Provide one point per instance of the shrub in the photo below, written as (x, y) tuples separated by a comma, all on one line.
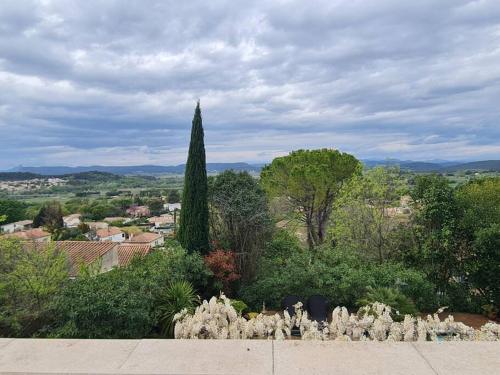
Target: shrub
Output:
[(282, 245), (127, 302), (341, 277), (239, 306), (178, 295), (299, 274), (411, 282), (223, 265), (400, 304), (30, 278), (110, 305)]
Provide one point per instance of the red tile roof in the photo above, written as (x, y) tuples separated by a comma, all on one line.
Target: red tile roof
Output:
[(30, 234), (107, 232), (162, 219), (145, 237), (127, 251), (84, 252)]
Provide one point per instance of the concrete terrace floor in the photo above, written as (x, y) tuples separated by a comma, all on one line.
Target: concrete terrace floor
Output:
[(45, 356)]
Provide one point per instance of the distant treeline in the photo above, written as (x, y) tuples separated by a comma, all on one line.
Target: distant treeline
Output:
[(421, 166), (92, 176)]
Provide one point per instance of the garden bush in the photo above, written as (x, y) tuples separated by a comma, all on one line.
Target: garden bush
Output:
[(341, 277), (127, 302), (109, 305), (400, 304), (30, 279), (178, 295)]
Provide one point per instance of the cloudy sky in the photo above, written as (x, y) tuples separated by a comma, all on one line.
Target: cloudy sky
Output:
[(115, 82)]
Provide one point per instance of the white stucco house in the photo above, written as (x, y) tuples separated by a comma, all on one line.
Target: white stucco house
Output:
[(72, 221), (111, 234), (172, 206), (16, 226)]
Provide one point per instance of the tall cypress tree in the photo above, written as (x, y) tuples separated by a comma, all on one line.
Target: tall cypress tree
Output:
[(193, 229)]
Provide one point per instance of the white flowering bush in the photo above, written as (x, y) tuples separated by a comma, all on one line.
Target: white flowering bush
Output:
[(217, 319)]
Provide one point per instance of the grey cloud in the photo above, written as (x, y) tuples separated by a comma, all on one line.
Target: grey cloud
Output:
[(381, 79)]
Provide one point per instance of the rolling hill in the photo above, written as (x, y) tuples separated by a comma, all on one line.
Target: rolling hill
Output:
[(133, 170), (22, 172)]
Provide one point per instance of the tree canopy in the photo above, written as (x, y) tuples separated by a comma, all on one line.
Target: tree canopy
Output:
[(12, 210), (362, 222), (311, 180), (193, 229), (50, 216), (239, 218), (30, 278)]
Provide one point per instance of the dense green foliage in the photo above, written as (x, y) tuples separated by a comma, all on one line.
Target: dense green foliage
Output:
[(361, 222), (173, 196), (126, 302), (50, 217), (311, 180), (193, 229), (155, 206), (30, 278), (342, 277), (178, 295), (480, 204), (400, 303), (239, 217), (13, 210)]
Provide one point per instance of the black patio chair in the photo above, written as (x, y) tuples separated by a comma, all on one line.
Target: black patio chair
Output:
[(288, 305), (317, 307)]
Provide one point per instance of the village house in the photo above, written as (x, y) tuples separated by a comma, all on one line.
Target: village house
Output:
[(110, 234), (95, 225), (104, 256), (128, 250), (16, 226), (152, 239), (72, 221), (138, 211), (172, 206), (35, 234), (113, 219), (161, 221), (101, 255)]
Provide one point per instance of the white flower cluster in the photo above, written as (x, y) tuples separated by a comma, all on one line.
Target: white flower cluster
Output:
[(217, 319)]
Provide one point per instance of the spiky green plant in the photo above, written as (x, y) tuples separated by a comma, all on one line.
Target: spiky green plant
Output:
[(178, 295), (400, 303)]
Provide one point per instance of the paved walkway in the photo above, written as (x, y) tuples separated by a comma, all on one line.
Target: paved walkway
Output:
[(41, 356)]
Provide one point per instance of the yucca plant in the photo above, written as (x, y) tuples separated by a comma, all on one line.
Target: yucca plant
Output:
[(400, 303), (177, 296)]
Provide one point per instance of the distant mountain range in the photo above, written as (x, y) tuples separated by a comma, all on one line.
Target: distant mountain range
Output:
[(437, 166), (134, 169), (417, 166)]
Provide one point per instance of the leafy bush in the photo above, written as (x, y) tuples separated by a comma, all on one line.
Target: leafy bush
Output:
[(223, 264), (341, 277), (13, 210), (400, 304), (239, 306), (179, 295), (110, 305), (411, 282), (299, 274), (127, 302), (282, 245), (29, 281)]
